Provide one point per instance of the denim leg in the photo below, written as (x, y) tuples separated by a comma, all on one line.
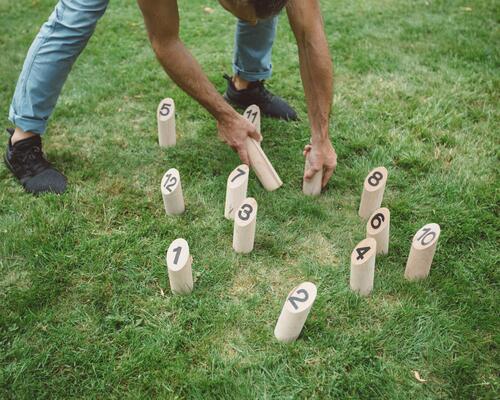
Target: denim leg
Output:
[(50, 58), (252, 49)]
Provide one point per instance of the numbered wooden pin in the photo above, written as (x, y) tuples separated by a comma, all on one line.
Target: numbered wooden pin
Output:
[(236, 190), (377, 227), (422, 252), (180, 274), (244, 226), (363, 266), (262, 166), (373, 192), (312, 187), (166, 123), (171, 191), (252, 113), (294, 312)]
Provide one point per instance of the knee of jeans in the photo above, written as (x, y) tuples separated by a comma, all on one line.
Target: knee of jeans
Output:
[(79, 16)]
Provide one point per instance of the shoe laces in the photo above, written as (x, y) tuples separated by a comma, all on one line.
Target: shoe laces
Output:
[(259, 85), (32, 158)]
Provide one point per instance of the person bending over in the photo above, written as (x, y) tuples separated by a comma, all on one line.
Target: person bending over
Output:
[(67, 31)]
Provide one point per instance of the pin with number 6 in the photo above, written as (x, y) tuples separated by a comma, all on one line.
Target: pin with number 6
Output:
[(180, 274)]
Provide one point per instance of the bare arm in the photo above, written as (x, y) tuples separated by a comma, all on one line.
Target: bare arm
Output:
[(162, 23), (316, 71)]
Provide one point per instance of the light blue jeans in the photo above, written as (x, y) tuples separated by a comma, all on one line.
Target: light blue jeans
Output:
[(66, 33)]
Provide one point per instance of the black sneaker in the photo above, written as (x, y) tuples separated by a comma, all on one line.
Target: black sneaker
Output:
[(26, 161), (256, 93)]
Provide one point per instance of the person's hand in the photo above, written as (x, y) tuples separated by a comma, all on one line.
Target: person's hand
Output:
[(234, 131), (322, 157)]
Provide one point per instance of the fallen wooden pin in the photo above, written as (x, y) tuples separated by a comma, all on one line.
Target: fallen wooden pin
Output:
[(261, 165)]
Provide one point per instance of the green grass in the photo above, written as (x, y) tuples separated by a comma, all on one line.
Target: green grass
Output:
[(85, 309)]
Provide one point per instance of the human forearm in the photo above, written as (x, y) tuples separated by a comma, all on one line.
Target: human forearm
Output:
[(316, 70), (316, 67), (162, 24), (185, 71)]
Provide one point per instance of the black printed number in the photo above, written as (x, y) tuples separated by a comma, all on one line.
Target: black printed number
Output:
[(177, 252), (240, 173), (251, 114), (374, 179), (245, 212), (170, 182), (295, 299), (165, 109), (426, 233), (377, 220), (361, 252)]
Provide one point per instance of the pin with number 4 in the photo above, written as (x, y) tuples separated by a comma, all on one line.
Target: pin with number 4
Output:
[(422, 252), (363, 266), (171, 191), (180, 274), (166, 123), (244, 226), (294, 312)]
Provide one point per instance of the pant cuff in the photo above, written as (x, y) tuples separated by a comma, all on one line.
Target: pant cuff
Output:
[(27, 124), (252, 76)]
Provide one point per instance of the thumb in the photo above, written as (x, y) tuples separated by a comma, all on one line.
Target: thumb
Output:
[(255, 135), (309, 174)]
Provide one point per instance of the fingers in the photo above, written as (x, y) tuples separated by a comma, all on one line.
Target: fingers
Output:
[(307, 150), (243, 154), (255, 135), (309, 174), (327, 174)]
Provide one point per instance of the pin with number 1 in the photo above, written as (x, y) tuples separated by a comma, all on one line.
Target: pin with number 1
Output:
[(180, 274)]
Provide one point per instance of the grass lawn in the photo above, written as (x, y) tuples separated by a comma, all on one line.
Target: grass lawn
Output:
[(85, 306)]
